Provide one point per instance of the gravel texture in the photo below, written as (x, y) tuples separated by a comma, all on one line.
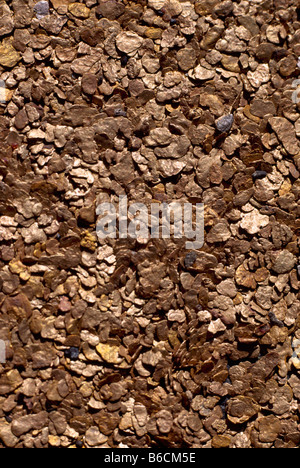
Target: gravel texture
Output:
[(134, 342)]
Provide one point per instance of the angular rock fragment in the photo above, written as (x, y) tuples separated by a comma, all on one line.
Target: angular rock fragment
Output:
[(286, 134), (9, 56), (253, 222), (190, 259), (241, 409), (109, 353), (128, 42), (21, 119), (10, 381), (225, 123), (216, 326), (6, 20), (284, 262), (110, 9), (200, 73), (25, 424), (258, 175), (219, 233), (6, 435), (79, 10), (89, 83), (260, 76), (41, 9)]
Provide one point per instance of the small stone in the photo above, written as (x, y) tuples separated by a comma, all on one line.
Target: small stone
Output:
[(6, 435), (263, 297), (124, 60), (36, 134), (274, 320), (260, 76), (216, 326), (54, 23), (60, 5), (284, 262), (87, 214), (173, 8), (18, 306), (89, 83), (201, 73), (109, 353), (261, 275), (153, 33), (159, 137), (176, 316), (265, 51), (59, 421), (260, 108), (72, 353), (79, 10), (241, 409), (156, 4), (6, 20), (44, 355), (227, 288), (41, 9), (245, 278), (89, 242), (65, 305), (120, 113), (93, 437), (65, 54), (10, 381), (269, 428), (164, 421), (286, 133), (33, 234), (285, 188), (205, 7), (110, 9), (24, 424), (176, 150), (28, 387), (169, 168), (211, 37), (54, 440), (9, 57), (221, 441), (204, 262), (151, 358), (128, 42), (219, 233), (295, 361), (224, 8), (253, 222), (225, 123), (231, 63), (21, 119), (126, 422), (190, 259), (140, 418), (258, 175), (186, 60)]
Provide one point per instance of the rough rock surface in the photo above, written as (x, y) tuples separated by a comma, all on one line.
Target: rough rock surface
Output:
[(139, 342)]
